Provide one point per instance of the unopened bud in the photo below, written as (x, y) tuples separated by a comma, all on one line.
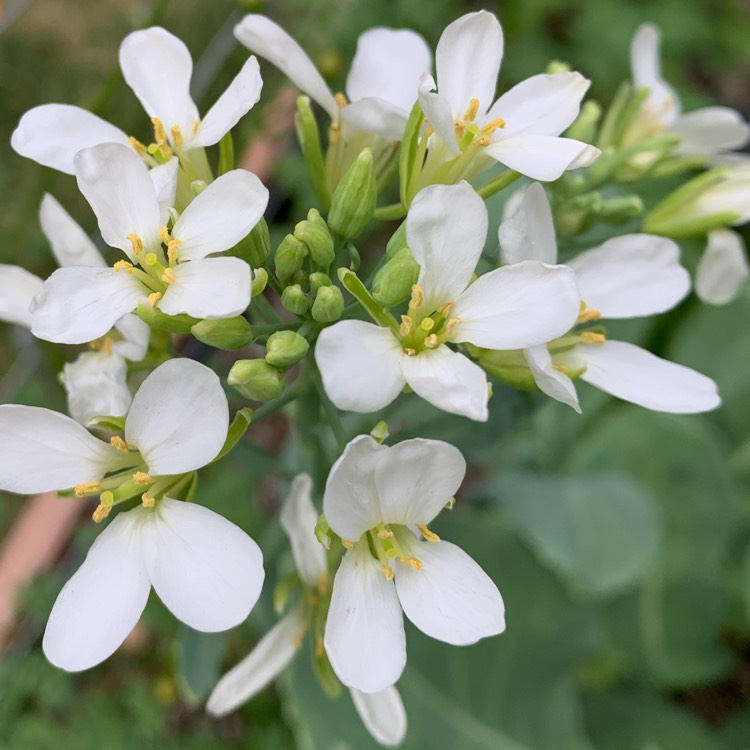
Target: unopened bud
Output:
[(197, 187), (256, 379), (256, 247), (328, 304), (285, 348), (313, 232), (318, 280), (309, 140), (509, 366), (393, 282), (576, 215), (557, 66), (353, 202), (224, 333), (585, 125), (260, 279), (294, 300), (621, 209), (289, 257)]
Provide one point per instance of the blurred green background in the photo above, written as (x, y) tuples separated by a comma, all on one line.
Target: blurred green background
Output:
[(620, 539)]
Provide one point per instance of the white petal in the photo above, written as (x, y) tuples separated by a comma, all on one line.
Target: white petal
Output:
[(164, 179), (662, 103), (207, 571), (208, 288), (179, 417), (438, 112), (71, 246), (551, 381), (541, 157), (387, 65), (364, 636), (517, 306), (99, 606), (541, 105), (44, 451), (240, 97), (96, 384), (467, 60), (633, 374), (53, 134), (267, 660), (116, 184), (632, 275), (451, 598), (221, 215), (383, 715), (265, 38), (416, 479), (18, 288), (528, 231), (360, 364), (136, 335), (722, 269), (376, 116), (445, 229), (350, 501), (449, 381), (710, 131), (298, 518), (79, 304), (157, 66)]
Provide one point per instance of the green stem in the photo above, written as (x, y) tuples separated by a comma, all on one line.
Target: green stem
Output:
[(269, 408), (331, 413), (266, 309), (390, 213), (497, 184)]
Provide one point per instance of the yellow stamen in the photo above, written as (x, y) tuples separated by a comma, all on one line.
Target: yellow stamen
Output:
[(334, 134), (177, 138), (460, 129), (561, 368), (446, 309), (323, 582), (172, 251), (492, 126), (431, 342), (450, 327), (138, 147), (87, 488), (168, 276), (349, 545), (482, 141), (107, 345), (430, 536), (196, 125), (117, 442), (136, 242), (590, 337), (160, 134), (429, 130), (588, 315), (387, 572), (147, 500), (471, 112), (409, 352), (340, 100), (409, 560), (427, 324), (122, 265), (164, 235), (140, 477), (406, 324), (154, 298), (417, 297), (101, 512), (385, 534)]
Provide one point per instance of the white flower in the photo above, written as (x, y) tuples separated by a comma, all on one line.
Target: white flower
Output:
[(626, 277), (79, 304), (522, 128), (206, 570), (704, 132), (382, 81), (157, 66), (722, 269), (382, 713), (376, 498), (364, 367), (17, 288)]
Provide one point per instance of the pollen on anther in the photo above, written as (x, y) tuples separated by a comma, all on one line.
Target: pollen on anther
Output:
[(160, 134), (122, 265), (101, 512), (117, 442), (591, 337), (136, 242), (349, 545), (164, 235), (147, 500), (141, 477), (493, 125), (138, 147), (168, 276), (588, 315), (387, 571), (154, 298), (177, 135), (411, 561), (86, 488), (472, 110), (406, 324), (340, 100), (430, 536), (431, 341), (417, 297), (385, 534)]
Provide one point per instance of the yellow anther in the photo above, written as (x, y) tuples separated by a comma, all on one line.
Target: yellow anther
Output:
[(493, 125), (482, 141), (590, 337), (409, 352), (177, 138), (136, 242), (431, 342), (406, 324), (168, 276), (160, 134), (340, 100), (472, 110), (196, 125), (430, 536), (122, 265), (450, 327), (164, 235), (323, 582), (87, 488), (151, 259), (588, 315), (385, 534), (429, 130), (117, 442), (140, 477), (460, 129), (417, 297), (172, 251), (154, 298), (101, 512), (107, 345), (334, 134), (561, 368), (349, 545), (446, 309), (147, 500), (409, 560), (138, 147), (427, 324), (387, 572)]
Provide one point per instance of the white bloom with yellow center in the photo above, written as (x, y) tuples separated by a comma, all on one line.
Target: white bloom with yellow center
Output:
[(206, 570), (364, 367)]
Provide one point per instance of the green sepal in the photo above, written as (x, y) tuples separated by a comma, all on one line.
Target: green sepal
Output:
[(380, 431), (256, 247), (163, 322), (228, 334), (357, 289), (308, 136), (226, 154), (409, 146), (237, 429), (323, 531), (107, 423)]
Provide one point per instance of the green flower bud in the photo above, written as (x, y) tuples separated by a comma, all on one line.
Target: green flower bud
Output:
[(289, 257), (224, 333), (328, 304), (393, 282), (621, 209), (309, 140), (576, 215), (256, 379), (285, 348), (318, 280), (584, 126), (509, 366), (557, 66), (163, 322), (313, 231), (260, 279), (257, 245), (353, 202), (294, 300)]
